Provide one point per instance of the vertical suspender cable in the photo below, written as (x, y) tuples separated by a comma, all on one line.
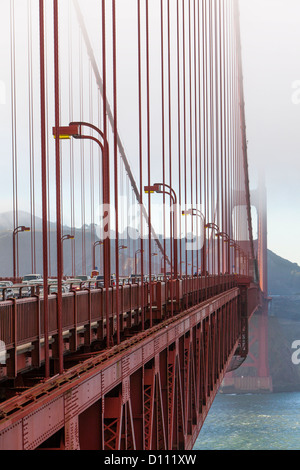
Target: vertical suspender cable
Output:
[(205, 119), (226, 150), (14, 135), (184, 138), (141, 157), (196, 141), (31, 139), (200, 120), (58, 189), (44, 185), (190, 124), (148, 155), (47, 142), (212, 147), (100, 195), (116, 164), (163, 131), (106, 180), (219, 124), (200, 140), (92, 199), (174, 209), (179, 135), (82, 163), (72, 185), (221, 22)]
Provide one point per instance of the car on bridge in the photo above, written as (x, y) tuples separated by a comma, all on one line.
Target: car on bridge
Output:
[(6, 291), (31, 279), (83, 278), (99, 281), (53, 289), (7, 283)]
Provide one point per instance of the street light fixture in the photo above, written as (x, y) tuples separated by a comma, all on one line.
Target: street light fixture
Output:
[(197, 213), (232, 244), (237, 248), (163, 188), (67, 237), (154, 254), (163, 261), (226, 239), (17, 230), (122, 247), (63, 238), (97, 243), (213, 226), (135, 259), (75, 130)]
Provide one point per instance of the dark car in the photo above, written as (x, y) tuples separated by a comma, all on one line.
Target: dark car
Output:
[(100, 280)]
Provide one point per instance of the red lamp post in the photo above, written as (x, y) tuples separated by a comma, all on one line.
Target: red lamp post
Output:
[(17, 230), (213, 226), (75, 130), (162, 188), (225, 238), (135, 259), (197, 213), (63, 238), (97, 243)]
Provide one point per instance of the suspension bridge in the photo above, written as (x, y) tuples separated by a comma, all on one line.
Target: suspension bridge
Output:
[(125, 185)]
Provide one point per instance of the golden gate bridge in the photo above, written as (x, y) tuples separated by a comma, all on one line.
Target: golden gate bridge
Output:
[(124, 130)]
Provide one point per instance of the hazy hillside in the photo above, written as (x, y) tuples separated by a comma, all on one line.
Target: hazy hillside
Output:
[(283, 276), (24, 218)]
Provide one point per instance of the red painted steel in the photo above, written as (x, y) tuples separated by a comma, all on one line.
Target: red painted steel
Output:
[(59, 352), (84, 314), (139, 363), (188, 351), (44, 183), (257, 360)]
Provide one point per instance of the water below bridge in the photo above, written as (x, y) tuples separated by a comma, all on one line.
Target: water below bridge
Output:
[(252, 422)]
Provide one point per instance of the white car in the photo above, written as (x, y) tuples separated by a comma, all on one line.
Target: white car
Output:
[(6, 283), (31, 279)]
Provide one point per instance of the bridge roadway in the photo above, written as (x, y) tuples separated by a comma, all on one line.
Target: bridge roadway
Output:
[(151, 391)]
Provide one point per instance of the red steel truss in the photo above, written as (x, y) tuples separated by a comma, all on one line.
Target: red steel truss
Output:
[(130, 93), (152, 392)]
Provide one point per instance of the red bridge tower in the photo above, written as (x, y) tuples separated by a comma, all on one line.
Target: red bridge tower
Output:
[(254, 375)]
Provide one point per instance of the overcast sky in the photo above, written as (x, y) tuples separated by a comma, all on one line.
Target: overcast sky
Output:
[(271, 65)]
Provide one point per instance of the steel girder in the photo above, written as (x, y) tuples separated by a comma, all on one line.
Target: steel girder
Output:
[(154, 395)]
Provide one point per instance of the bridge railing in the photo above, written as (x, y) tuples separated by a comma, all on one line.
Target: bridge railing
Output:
[(84, 312)]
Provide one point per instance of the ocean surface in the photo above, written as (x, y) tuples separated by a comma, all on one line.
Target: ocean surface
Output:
[(252, 422)]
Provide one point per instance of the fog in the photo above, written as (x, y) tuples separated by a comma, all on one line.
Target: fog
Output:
[(271, 66)]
